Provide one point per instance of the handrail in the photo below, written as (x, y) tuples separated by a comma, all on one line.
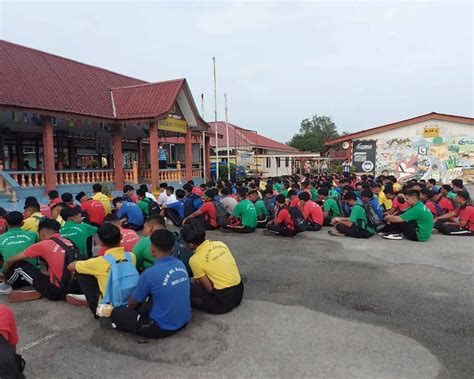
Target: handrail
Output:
[(10, 181)]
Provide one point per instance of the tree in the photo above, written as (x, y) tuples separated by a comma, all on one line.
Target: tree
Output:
[(314, 133)]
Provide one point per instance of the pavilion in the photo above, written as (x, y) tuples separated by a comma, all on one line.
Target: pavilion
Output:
[(66, 124)]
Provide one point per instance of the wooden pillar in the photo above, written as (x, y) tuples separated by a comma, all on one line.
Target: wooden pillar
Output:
[(118, 160), (154, 164), (48, 152), (188, 154), (207, 147), (19, 153)]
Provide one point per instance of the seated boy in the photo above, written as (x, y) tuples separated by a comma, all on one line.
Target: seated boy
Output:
[(465, 224), (175, 211), (76, 231), (32, 217), (282, 224), (94, 209), (207, 213), (312, 212), (11, 364), (129, 237), (263, 215), (129, 213), (217, 286), (166, 284), (244, 216), (415, 223), (356, 225)]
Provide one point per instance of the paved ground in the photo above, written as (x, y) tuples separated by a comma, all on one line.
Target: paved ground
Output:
[(314, 305)]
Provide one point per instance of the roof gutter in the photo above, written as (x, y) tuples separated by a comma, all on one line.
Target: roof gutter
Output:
[(113, 104)]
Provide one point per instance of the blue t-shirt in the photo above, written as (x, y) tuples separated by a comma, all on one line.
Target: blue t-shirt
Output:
[(162, 155), (178, 206), (131, 212), (167, 282)]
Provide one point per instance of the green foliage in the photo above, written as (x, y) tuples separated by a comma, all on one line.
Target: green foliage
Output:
[(314, 133), (223, 171)]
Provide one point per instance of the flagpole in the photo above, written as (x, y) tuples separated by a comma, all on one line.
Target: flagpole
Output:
[(227, 137), (203, 142), (215, 118)]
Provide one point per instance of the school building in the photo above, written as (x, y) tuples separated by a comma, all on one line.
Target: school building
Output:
[(65, 125), (433, 145)]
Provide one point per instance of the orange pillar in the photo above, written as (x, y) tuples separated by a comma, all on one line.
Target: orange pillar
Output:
[(188, 155), (154, 166), (48, 152), (118, 160), (207, 146)]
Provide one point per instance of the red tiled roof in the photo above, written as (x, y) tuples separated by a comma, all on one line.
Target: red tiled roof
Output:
[(242, 138), (400, 124)]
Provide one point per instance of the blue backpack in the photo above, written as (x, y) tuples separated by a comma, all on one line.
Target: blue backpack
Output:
[(122, 280)]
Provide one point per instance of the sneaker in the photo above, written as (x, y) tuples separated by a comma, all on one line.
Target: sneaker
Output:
[(23, 295), (335, 233), (79, 300), (393, 237), (5, 289), (381, 234)]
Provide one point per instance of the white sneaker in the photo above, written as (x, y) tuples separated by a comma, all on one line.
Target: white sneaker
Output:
[(79, 300), (168, 222), (5, 288), (393, 237)]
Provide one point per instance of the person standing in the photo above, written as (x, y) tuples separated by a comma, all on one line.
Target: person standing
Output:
[(162, 157), (346, 168)]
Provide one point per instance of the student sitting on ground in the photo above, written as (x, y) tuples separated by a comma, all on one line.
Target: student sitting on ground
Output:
[(56, 213), (294, 200), (192, 201), (50, 249), (129, 237), (282, 224), (14, 241), (465, 225), (128, 194), (130, 215), (163, 197), (92, 275), (54, 198), (11, 364), (148, 194), (217, 286), (263, 215), (99, 196), (415, 223), (175, 211), (32, 217), (244, 216), (207, 213), (430, 199), (171, 197), (227, 200), (312, 212), (368, 197), (458, 186), (45, 210), (76, 231), (331, 207), (166, 286), (356, 225), (94, 209)]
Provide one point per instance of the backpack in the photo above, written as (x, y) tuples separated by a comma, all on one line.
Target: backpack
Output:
[(122, 280), (373, 219), (153, 208), (439, 211), (189, 204), (71, 254), (12, 364), (300, 223), (270, 205), (221, 214), (182, 252)]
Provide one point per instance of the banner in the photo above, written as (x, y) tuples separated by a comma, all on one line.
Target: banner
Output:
[(173, 125), (363, 156), (244, 158)]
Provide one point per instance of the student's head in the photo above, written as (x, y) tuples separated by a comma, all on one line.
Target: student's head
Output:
[(169, 190), (457, 184), (445, 188), (323, 193), (71, 214), (267, 194), (304, 197), (193, 234), (376, 188), (97, 187), (350, 198), (117, 202), (432, 182), (141, 193), (225, 192), (433, 195), (188, 188), (191, 182), (152, 223), (180, 194), (253, 196), (47, 227), (144, 187), (67, 198), (389, 192), (462, 198), (109, 235), (424, 194), (280, 200), (56, 210), (163, 187), (208, 195), (127, 190), (241, 193), (366, 195), (292, 193), (3, 212), (112, 219), (31, 208), (53, 194), (14, 219), (162, 242), (81, 197), (412, 196)]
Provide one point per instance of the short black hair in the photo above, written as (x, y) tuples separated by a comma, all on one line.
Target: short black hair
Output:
[(14, 218), (48, 223), (156, 219), (111, 217), (33, 206), (323, 191), (143, 187), (242, 192), (116, 200), (3, 212), (31, 200), (432, 181), (68, 212), (464, 194), (67, 197), (141, 192), (280, 199), (170, 188), (225, 191), (447, 187), (305, 196), (97, 187), (291, 192), (163, 239), (367, 193), (127, 187), (53, 194), (180, 193), (349, 196), (109, 234), (376, 185), (193, 233), (458, 183), (413, 192), (188, 187), (163, 185)]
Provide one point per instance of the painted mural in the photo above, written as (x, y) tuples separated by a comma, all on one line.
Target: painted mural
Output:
[(441, 158)]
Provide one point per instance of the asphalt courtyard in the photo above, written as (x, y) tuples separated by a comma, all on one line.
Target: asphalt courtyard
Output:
[(314, 306)]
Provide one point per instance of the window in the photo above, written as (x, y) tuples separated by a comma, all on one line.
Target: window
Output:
[(287, 162), (278, 162), (269, 162)]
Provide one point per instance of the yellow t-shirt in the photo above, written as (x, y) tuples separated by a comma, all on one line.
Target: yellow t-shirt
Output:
[(214, 260), (99, 267), (387, 203), (99, 196), (397, 187), (31, 223)]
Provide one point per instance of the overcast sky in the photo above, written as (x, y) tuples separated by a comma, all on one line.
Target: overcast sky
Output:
[(362, 63)]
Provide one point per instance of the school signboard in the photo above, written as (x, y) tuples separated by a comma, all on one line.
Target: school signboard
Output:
[(363, 156)]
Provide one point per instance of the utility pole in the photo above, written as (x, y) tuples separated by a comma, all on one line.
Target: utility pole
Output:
[(203, 142), (227, 137), (215, 118)]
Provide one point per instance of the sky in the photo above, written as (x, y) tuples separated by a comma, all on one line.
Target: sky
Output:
[(363, 63)]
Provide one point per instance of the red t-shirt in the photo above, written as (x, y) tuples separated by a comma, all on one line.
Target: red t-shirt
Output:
[(429, 204), (53, 202), (8, 325), (313, 212), (95, 210), (467, 214), (284, 218), (446, 204), (295, 201), (45, 210), (3, 225), (197, 191), (400, 206), (128, 242), (208, 209), (52, 254)]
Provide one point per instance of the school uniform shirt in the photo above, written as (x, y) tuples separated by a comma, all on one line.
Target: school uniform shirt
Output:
[(151, 196), (261, 209), (178, 207), (314, 194), (382, 199), (100, 268), (377, 208), (142, 251), (313, 212), (8, 328), (162, 198), (330, 206), (245, 210), (131, 212), (208, 209), (359, 218), (423, 217), (283, 218), (446, 204), (53, 202), (214, 260), (467, 214), (277, 186), (399, 206), (52, 254), (14, 241), (78, 234), (99, 196), (167, 282), (45, 210), (171, 199), (396, 187), (129, 239), (295, 201), (31, 223), (143, 204), (431, 207), (197, 191), (95, 210), (229, 203)]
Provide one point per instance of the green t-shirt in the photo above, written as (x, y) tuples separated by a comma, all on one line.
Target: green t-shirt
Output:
[(333, 193), (359, 218), (261, 208), (314, 194), (423, 217), (78, 234), (143, 205), (285, 192), (142, 251), (245, 210), (330, 206), (277, 187), (14, 241), (451, 195)]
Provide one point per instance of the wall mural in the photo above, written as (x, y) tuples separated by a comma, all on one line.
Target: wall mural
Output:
[(441, 158)]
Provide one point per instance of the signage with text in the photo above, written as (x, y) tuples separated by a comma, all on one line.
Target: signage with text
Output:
[(173, 125), (363, 156)]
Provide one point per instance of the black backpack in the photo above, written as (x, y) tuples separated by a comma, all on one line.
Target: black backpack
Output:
[(300, 223), (439, 210), (12, 364), (221, 214), (189, 204), (154, 208), (182, 252), (71, 254), (373, 219)]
